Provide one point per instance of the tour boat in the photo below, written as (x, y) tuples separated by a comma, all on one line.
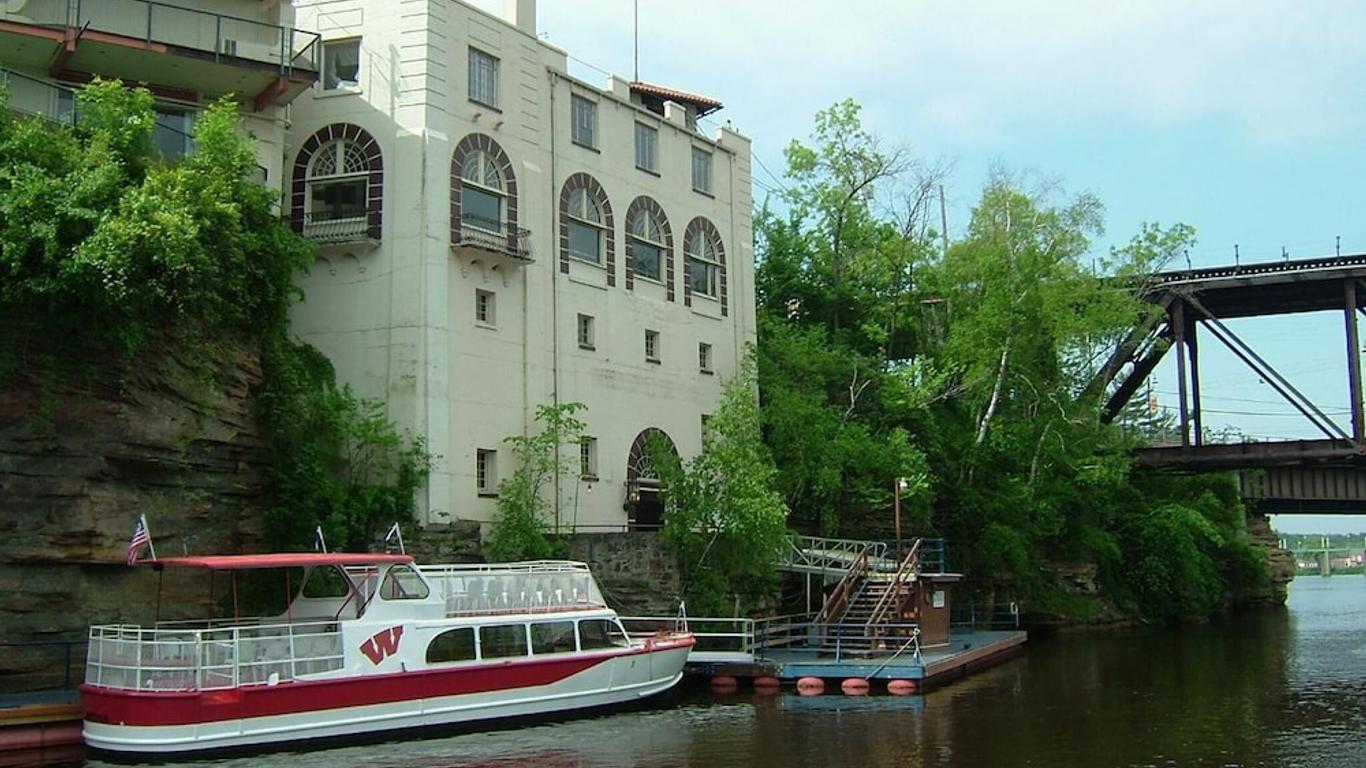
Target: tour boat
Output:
[(368, 644)]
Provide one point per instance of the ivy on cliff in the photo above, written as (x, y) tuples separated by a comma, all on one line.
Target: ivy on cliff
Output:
[(104, 244)]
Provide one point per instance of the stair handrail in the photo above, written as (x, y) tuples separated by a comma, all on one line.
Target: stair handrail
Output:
[(838, 601), (910, 567)]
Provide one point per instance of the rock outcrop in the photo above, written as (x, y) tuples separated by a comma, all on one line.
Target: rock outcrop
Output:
[(88, 441)]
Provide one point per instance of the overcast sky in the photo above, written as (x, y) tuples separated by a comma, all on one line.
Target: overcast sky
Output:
[(1244, 120)]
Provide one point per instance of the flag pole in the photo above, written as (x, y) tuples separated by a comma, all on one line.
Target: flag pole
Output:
[(150, 546)]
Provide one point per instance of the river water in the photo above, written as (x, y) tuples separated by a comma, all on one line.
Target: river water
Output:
[(1264, 688)]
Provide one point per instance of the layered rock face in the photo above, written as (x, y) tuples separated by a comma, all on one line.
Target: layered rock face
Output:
[(1279, 562), (87, 443)]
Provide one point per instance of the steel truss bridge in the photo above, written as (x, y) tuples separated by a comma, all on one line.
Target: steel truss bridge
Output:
[(1322, 475)]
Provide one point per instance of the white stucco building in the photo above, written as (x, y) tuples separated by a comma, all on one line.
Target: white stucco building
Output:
[(495, 234), (499, 235)]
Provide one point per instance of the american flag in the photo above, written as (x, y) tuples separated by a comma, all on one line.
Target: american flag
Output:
[(140, 539)]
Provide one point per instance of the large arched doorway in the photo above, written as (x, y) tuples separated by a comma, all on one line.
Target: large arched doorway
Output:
[(644, 507)]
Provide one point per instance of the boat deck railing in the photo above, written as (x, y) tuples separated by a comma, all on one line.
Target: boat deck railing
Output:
[(130, 657)]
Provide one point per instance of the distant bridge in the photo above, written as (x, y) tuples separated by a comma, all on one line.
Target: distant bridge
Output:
[(1323, 475)]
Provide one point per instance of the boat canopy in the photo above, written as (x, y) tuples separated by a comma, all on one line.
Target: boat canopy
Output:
[(277, 560)]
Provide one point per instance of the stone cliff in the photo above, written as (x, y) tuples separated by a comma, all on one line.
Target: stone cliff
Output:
[(87, 443)]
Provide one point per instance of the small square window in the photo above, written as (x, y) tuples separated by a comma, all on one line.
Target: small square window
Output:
[(704, 357), (588, 457), (484, 308), (652, 346), (485, 472), (583, 128), (647, 148), (586, 331), (341, 65), (483, 78), (701, 170)]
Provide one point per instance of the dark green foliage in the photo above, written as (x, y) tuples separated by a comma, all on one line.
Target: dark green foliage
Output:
[(109, 246), (336, 459)]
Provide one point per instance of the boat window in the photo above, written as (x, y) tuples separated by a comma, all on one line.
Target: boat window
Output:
[(502, 640), (600, 633), (403, 583), (452, 645), (552, 637), (326, 581)]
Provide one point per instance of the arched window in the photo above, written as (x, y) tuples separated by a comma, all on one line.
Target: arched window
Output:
[(483, 195), (649, 244), (338, 182), (704, 263), (586, 229), (337, 189)]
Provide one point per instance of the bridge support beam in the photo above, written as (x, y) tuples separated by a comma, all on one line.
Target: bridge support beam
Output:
[(1179, 329), (1354, 361)]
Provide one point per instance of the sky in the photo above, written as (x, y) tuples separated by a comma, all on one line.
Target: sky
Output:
[(1244, 120)]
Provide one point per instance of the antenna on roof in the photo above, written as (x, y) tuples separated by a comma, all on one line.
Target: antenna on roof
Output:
[(635, 42)]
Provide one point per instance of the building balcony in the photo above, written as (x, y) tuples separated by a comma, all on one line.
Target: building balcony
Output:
[(174, 50), (491, 236), (339, 227)]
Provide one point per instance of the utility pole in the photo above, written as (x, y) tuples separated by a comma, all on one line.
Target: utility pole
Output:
[(944, 220), (635, 38)]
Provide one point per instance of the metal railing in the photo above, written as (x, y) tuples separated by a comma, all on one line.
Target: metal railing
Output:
[(815, 554), (495, 236), (848, 586), (162, 659), (997, 616), (738, 639), (347, 226), (40, 665), (218, 34)]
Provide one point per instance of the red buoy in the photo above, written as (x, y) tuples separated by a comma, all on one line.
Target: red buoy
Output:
[(855, 686), (810, 686), (724, 684), (902, 687), (767, 684)]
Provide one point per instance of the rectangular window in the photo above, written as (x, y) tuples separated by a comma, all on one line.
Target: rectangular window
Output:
[(342, 199), (701, 170), (702, 277), (583, 128), (485, 471), (704, 357), (586, 331), (600, 633), (341, 64), (652, 346), (502, 640), (480, 208), (484, 307), (585, 241), (173, 135), (647, 148), (588, 457), (552, 637), (648, 259), (483, 78)]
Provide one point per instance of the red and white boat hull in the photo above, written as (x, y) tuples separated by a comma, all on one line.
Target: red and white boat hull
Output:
[(176, 722)]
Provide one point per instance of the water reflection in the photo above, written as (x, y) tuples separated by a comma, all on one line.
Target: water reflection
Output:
[(1268, 688)]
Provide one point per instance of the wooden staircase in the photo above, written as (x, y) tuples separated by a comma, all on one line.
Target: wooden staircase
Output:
[(871, 611)]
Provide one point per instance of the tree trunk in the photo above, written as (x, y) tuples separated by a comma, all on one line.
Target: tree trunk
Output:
[(995, 395)]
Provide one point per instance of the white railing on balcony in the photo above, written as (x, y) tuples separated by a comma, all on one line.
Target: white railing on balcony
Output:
[(214, 33), (818, 555), (539, 586), (193, 659)]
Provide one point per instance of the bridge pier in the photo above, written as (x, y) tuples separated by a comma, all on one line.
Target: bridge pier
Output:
[(1325, 564)]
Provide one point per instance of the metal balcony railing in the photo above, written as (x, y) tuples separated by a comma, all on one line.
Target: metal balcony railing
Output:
[(218, 34), (342, 226), (495, 236)]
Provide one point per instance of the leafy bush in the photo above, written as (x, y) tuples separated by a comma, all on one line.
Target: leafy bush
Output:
[(519, 530)]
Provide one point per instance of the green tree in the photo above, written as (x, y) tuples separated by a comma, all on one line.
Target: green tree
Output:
[(519, 531), (722, 513)]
